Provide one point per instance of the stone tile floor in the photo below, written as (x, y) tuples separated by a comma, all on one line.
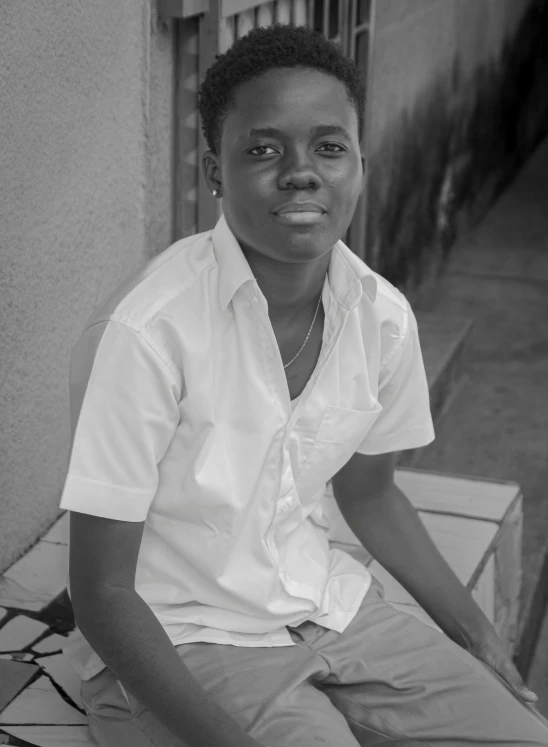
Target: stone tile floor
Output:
[(40, 701)]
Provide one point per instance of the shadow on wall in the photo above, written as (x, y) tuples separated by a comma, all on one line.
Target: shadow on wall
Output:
[(443, 163)]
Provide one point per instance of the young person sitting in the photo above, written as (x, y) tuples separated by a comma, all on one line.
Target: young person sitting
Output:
[(213, 395)]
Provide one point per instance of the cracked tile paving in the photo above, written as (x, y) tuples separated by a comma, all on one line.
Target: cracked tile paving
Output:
[(40, 703)]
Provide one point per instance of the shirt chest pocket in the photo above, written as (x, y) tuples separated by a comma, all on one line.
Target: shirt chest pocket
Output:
[(341, 431), (339, 434), (343, 425)]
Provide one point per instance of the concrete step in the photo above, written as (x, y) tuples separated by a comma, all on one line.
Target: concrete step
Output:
[(444, 351), (534, 609), (538, 673)]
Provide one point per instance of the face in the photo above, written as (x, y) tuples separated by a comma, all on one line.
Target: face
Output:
[(292, 137)]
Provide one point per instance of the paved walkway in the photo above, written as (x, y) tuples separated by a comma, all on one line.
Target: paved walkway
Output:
[(497, 423)]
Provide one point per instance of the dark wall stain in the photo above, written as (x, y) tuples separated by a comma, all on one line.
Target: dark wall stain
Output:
[(444, 162)]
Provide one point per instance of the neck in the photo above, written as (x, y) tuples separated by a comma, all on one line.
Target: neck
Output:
[(289, 288)]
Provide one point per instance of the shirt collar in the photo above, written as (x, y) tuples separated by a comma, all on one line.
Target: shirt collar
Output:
[(347, 273)]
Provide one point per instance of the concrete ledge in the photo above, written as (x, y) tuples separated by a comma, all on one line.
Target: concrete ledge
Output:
[(444, 351), (531, 618)]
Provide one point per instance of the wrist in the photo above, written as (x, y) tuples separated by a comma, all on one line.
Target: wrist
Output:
[(474, 631)]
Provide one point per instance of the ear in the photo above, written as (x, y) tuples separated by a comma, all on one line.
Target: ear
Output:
[(211, 166), (364, 170)]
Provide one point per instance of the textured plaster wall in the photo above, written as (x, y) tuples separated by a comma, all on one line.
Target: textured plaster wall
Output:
[(86, 197), (416, 41), (457, 102)]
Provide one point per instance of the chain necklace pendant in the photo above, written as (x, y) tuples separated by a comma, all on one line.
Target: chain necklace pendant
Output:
[(308, 335)]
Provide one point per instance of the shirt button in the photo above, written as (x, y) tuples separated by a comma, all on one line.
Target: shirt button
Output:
[(285, 504)]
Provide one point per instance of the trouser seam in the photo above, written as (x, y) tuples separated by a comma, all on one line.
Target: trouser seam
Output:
[(370, 710)]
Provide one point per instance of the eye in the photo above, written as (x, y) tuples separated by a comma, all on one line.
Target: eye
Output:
[(260, 147), (333, 145)]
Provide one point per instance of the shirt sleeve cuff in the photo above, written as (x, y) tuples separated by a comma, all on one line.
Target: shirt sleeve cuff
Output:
[(108, 501), (411, 439)]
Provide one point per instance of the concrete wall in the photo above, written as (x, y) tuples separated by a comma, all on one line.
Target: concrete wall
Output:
[(86, 196), (457, 102)]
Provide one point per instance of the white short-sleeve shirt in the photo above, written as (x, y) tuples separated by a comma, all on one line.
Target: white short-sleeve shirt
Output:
[(181, 417)]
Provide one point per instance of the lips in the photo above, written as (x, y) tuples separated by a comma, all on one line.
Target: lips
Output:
[(299, 207)]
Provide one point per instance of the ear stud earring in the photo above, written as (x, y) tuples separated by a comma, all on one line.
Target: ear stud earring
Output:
[(215, 193)]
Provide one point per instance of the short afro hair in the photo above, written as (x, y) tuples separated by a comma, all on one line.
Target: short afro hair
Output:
[(265, 48)]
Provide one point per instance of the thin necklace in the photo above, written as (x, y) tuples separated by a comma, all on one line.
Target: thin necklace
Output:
[(309, 331)]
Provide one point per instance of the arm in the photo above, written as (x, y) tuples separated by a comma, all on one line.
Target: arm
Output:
[(389, 527), (126, 634)]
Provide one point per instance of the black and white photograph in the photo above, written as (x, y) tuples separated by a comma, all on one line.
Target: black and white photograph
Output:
[(274, 373)]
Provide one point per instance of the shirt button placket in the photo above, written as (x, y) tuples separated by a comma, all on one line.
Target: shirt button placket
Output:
[(285, 504)]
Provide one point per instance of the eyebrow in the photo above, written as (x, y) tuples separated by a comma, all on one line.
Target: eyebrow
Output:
[(317, 130)]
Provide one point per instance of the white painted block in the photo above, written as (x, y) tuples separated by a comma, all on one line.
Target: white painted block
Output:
[(463, 542), (484, 590), (508, 576), (475, 497), (475, 523)]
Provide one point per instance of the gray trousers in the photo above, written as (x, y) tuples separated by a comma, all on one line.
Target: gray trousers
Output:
[(387, 679)]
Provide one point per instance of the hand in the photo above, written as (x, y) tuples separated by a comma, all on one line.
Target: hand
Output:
[(489, 649)]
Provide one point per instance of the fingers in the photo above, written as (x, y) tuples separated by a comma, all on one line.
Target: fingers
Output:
[(513, 678)]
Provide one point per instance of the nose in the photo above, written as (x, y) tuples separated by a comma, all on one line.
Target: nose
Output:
[(298, 171)]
